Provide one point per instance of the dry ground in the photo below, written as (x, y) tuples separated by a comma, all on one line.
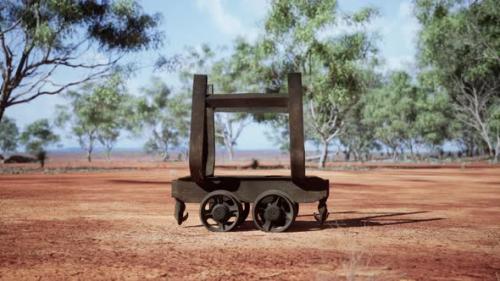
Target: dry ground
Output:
[(420, 223)]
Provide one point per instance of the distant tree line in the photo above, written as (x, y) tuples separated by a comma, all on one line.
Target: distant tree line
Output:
[(453, 97)]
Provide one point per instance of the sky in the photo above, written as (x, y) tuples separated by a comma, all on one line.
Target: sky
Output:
[(218, 23)]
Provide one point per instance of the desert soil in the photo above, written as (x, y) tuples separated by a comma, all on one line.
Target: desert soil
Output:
[(385, 223)]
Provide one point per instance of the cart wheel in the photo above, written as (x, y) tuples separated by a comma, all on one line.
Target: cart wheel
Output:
[(220, 211), (244, 215), (273, 211)]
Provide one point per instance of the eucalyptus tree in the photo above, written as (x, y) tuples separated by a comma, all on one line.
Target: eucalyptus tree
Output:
[(42, 39), (300, 37), (228, 126), (9, 134), (391, 110), (164, 117), (358, 137), (460, 42), (226, 75), (405, 116), (37, 136), (96, 113)]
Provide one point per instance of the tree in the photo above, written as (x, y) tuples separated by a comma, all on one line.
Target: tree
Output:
[(494, 125), (165, 117), (391, 111), (405, 116), (8, 135), (226, 76), (108, 136), (97, 112), (435, 121), (460, 42), (333, 66), (358, 136), (39, 39), (37, 136), (279, 132), (228, 128)]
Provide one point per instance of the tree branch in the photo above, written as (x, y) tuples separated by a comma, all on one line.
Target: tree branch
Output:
[(15, 100)]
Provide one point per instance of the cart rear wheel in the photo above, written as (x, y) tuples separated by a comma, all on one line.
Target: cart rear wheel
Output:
[(273, 211), (220, 211)]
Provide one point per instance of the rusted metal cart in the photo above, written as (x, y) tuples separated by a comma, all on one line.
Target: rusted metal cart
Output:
[(225, 200)]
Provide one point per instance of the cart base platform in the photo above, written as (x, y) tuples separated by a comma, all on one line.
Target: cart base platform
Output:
[(247, 188)]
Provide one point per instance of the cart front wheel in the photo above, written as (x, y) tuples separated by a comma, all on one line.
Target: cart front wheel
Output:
[(220, 211), (273, 211)]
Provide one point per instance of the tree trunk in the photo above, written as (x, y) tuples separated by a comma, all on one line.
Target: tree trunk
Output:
[(89, 155), (412, 153), (230, 150), (497, 150), (4, 98), (324, 154), (108, 154), (165, 151), (2, 111), (347, 155), (395, 155), (487, 140)]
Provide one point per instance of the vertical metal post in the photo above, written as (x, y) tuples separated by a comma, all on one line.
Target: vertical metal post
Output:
[(210, 137), (197, 144), (296, 126)]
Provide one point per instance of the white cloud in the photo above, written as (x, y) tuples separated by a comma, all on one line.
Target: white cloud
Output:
[(410, 26), (225, 21), (398, 33), (399, 62), (258, 7)]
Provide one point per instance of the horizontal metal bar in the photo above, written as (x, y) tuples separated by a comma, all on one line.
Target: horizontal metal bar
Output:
[(252, 109), (248, 102)]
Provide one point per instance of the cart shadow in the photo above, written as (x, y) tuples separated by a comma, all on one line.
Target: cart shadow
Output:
[(368, 219)]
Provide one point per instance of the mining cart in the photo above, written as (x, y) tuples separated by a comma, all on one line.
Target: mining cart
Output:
[(225, 200)]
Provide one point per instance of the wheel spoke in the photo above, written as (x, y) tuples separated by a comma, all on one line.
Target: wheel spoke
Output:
[(276, 200), (233, 207), (220, 225), (207, 216), (267, 226)]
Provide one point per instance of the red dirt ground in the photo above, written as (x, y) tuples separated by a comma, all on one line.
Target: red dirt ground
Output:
[(417, 223)]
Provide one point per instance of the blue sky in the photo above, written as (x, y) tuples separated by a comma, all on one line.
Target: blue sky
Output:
[(218, 22)]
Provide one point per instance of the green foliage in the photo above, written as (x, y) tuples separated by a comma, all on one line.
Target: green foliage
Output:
[(403, 115), (117, 24), (460, 43), (8, 135), (40, 38), (391, 110), (334, 67), (227, 75), (37, 136), (357, 136), (97, 112), (165, 117)]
